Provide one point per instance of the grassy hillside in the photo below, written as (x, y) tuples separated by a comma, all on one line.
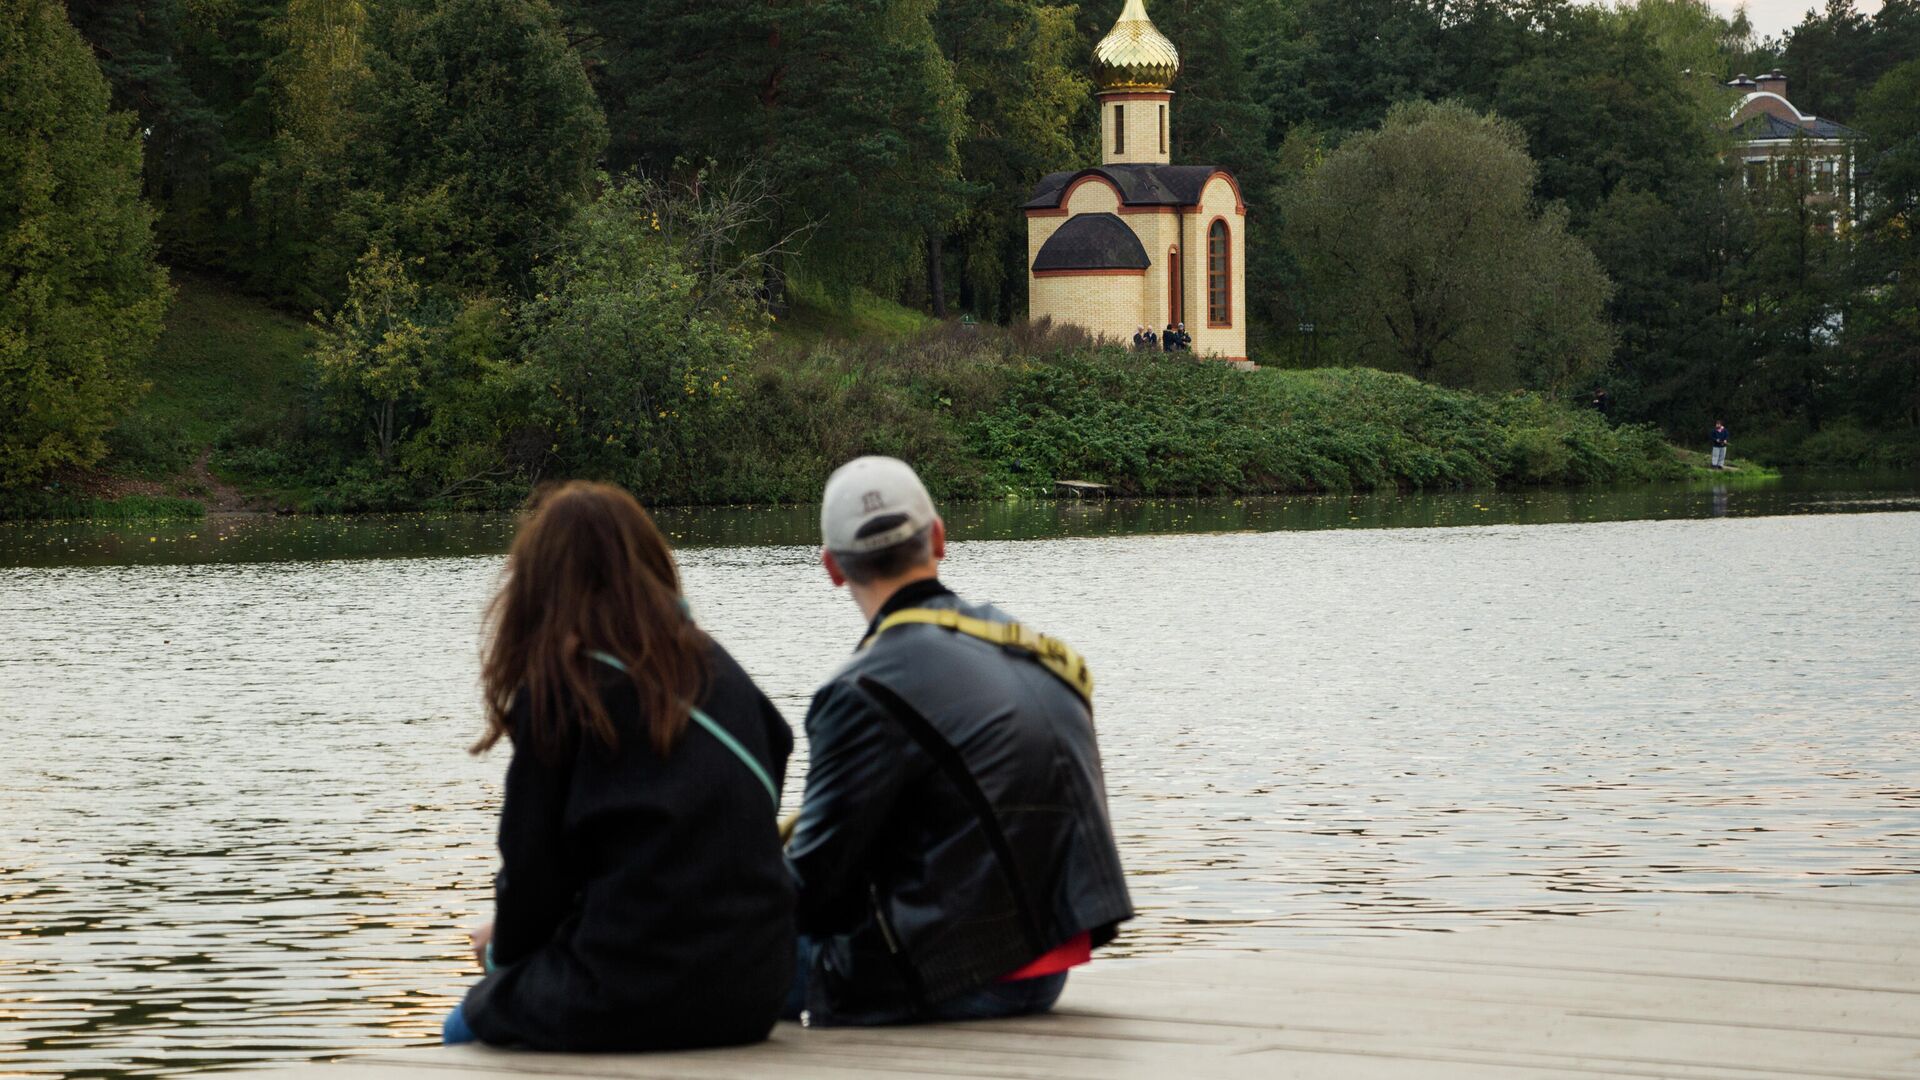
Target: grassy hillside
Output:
[(225, 364), (984, 412), (815, 316)]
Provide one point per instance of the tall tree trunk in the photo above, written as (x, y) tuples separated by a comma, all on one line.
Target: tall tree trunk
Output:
[(937, 274)]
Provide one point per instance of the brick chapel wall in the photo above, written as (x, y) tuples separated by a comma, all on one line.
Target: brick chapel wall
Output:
[(1093, 196), (1106, 303), (1053, 299), (1217, 200), (1157, 234), (1147, 119)]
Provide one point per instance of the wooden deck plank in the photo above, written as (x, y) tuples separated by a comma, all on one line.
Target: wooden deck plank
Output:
[(1713, 988)]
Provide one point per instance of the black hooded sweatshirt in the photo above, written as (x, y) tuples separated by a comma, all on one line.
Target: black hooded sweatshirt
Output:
[(643, 902)]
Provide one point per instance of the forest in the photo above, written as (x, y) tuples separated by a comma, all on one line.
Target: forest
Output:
[(383, 254)]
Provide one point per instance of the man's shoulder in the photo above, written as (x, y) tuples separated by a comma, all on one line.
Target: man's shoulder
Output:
[(900, 652)]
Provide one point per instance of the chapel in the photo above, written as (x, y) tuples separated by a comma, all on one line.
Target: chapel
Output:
[(1138, 240)]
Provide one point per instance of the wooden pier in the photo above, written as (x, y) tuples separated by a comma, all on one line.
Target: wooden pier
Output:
[(1815, 983)]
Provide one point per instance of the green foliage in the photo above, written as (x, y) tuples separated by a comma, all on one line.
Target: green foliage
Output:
[(225, 367), (984, 413), (425, 385), (196, 74), (636, 347), (1176, 427), (482, 134), (1677, 265), (1883, 337), (32, 505), (815, 315), (1421, 250), (1604, 107), (892, 141), (81, 298), (846, 104), (1837, 53), (459, 132), (374, 352), (1019, 64)]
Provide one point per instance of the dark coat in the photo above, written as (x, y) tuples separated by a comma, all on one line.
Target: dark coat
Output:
[(897, 872), (643, 902)]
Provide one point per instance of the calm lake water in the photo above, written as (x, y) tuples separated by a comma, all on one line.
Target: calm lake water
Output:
[(237, 821)]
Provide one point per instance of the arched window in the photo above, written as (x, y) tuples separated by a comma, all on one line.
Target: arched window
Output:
[(1119, 129), (1219, 275)]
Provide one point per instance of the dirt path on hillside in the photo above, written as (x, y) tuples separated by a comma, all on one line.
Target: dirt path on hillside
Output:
[(220, 496)]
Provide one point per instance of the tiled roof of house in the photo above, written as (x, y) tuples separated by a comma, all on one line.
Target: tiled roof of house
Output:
[(1140, 185), (1092, 242), (1766, 127)]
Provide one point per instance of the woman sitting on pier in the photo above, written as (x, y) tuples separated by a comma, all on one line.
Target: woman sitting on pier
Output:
[(642, 902)]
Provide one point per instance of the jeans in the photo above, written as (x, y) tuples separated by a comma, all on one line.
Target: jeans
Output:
[(1719, 457), (455, 1031), (993, 1001)]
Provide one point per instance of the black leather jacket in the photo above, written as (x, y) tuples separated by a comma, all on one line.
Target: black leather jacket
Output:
[(916, 897)]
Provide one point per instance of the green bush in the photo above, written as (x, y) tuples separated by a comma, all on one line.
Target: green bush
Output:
[(983, 413), (1843, 445), (31, 505)]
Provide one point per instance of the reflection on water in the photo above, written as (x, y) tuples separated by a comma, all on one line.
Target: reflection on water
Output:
[(236, 821), (258, 538)]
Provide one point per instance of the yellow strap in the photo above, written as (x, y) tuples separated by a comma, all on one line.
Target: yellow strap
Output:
[(1052, 653)]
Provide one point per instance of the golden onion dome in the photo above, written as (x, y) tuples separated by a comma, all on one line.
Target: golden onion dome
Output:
[(1135, 55)]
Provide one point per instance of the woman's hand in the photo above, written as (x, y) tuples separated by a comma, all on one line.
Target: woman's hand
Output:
[(481, 936)]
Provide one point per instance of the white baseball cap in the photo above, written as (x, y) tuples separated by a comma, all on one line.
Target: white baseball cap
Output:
[(873, 503)]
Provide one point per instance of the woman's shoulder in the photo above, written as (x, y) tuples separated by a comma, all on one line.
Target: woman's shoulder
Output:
[(731, 689), (726, 679)]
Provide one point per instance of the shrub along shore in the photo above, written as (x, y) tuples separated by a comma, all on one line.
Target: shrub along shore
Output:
[(984, 414)]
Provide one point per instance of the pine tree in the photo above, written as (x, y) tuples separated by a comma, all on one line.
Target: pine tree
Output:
[(81, 298), (196, 75), (479, 136), (1019, 63), (847, 106)]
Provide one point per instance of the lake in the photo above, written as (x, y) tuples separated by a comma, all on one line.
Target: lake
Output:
[(238, 822)]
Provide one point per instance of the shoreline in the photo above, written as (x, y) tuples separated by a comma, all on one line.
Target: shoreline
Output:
[(149, 505)]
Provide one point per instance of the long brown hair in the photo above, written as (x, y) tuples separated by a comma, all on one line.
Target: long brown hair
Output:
[(589, 572)]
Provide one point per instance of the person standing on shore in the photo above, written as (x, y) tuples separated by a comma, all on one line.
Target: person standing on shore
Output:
[(643, 902), (1719, 444), (953, 851)]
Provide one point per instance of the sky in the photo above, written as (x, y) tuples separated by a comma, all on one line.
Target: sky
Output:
[(1770, 18)]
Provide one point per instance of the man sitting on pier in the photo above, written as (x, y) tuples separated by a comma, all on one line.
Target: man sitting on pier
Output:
[(953, 852)]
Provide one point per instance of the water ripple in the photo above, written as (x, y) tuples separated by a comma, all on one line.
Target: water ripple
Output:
[(236, 821)]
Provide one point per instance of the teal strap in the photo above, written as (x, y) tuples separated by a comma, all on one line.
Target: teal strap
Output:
[(713, 728)]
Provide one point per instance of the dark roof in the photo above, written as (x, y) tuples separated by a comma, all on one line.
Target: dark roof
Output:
[(1766, 127), (1092, 242), (1140, 185)]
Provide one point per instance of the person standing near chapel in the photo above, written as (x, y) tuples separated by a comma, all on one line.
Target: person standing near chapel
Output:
[(1169, 339), (1141, 339), (1719, 444), (953, 853)]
